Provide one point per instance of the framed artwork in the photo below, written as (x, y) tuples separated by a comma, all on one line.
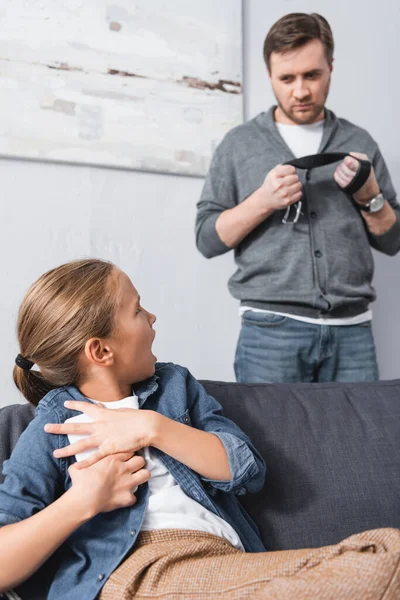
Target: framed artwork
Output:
[(136, 84)]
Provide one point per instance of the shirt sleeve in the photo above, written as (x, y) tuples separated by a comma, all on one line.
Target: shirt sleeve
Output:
[(388, 242), (219, 194), (33, 477), (245, 462)]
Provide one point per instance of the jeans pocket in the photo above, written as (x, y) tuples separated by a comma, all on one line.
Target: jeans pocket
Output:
[(262, 319)]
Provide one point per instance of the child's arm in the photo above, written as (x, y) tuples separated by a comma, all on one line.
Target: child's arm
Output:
[(106, 486), (246, 464), (37, 515), (24, 546), (199, 450), (214, 446), (128, 429)]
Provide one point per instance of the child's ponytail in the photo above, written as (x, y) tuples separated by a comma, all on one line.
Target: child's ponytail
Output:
[(31, 384)]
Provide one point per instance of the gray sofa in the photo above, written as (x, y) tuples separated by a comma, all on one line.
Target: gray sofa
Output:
[(332, 453)]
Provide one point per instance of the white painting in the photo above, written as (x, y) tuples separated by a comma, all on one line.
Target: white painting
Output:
[(138, 84)]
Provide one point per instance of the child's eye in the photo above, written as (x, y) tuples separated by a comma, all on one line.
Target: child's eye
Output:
[(139, 309)]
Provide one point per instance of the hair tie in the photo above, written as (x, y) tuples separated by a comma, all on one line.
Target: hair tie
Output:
[(24, 363)]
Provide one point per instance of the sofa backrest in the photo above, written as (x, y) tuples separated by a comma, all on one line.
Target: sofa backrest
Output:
[(332, 453), (13, 420)]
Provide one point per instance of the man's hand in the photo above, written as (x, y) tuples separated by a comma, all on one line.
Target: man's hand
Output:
[(345, 173), (281, 188)]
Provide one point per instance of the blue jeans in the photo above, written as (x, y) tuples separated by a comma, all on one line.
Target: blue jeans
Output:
[(272, 348)]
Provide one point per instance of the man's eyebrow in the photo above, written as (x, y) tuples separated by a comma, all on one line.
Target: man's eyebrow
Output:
[(311, 72)]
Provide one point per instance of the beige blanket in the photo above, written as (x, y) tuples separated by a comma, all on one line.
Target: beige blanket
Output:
[(191, 565)]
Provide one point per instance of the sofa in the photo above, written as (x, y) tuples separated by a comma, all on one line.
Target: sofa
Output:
[(332, 452)]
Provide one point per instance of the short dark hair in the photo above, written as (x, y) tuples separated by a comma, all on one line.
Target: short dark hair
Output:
[(295, 30)]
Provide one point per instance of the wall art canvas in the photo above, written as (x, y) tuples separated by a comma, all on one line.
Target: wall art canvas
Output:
[(137, 84)]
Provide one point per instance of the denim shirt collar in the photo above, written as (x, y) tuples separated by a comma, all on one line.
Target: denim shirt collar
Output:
[(143, 390)]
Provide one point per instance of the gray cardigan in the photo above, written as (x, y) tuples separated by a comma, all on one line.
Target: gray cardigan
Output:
[(323, 264)]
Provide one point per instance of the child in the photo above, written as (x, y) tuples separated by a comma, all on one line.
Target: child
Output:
[(151, 508)]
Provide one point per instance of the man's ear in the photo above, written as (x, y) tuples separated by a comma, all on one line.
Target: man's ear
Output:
[(99, 352)]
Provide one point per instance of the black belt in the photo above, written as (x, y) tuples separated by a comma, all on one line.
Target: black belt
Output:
[(320, 160)]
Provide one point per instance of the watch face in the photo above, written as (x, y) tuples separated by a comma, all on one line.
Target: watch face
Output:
[(376, 203)]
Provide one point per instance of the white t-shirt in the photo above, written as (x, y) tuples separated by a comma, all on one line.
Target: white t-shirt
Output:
[(168, 506), (302, 141)]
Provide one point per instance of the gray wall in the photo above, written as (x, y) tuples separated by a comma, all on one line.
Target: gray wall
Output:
[(144, 222)]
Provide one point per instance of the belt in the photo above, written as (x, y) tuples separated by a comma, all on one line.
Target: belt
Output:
[(319, 160)]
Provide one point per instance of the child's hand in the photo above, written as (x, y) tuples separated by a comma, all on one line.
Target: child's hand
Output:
[(110, 483), (112, 431)]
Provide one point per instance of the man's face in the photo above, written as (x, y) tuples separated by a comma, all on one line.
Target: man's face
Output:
[(300, 80)]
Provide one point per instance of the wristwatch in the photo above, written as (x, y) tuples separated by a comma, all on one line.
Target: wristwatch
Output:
[(374, 205)]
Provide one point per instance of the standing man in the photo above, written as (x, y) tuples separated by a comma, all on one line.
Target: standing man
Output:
[(303, 280)]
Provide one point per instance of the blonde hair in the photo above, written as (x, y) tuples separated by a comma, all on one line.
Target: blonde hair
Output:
[(62, 310)]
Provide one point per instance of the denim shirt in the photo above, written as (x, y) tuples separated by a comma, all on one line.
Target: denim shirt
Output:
[(34, 479)]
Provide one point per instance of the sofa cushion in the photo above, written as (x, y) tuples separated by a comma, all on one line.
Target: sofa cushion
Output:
[(332, 453)]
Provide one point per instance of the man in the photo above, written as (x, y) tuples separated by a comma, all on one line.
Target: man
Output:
[(304, 270)]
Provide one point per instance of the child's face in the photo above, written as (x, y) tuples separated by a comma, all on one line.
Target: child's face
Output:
[(133, 338)]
